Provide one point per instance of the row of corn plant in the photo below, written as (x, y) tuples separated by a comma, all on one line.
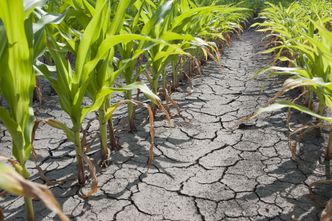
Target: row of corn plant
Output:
[(90, 49), (301, 36), (157, 25), (93, 76)]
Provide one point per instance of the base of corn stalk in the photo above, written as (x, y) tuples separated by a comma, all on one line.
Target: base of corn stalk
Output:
[(131, 112), (105, 155), (132, 125), (80, 169), (113, 139), (80, 161), (171, 103), (94, 182)]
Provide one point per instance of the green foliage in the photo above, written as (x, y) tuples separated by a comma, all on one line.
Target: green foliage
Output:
[(256, 5), (301, 36)]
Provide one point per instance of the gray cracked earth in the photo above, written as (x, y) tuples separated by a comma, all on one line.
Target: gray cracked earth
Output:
[(204, 168)]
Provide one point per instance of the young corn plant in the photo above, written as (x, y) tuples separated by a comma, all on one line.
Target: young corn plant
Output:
[(312, 65), (210, 23), (21, 42), (289, 27), (103, 77), (127, 50), (158, 54)]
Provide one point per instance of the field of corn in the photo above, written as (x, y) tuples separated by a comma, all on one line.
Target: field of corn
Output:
[(165, 110)]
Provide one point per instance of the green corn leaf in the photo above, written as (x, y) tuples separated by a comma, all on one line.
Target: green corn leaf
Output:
[(59, 125), (15, 132), (284, 103), (48, 19), (30, 5), (119, 16), (98, 101), (3, 39), (90, 35), (158, 16), (145, 89), (111, 109)]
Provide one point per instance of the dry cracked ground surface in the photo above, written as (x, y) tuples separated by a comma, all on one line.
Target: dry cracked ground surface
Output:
[(205, 167)]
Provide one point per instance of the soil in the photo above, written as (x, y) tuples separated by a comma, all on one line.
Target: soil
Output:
[(209, 166)]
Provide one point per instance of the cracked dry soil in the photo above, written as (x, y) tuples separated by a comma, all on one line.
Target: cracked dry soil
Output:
[(204, 168)]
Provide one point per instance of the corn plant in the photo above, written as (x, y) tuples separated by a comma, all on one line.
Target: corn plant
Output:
[(104, 74), (140, 23), (21, 43), (291, 27), (103, 78)]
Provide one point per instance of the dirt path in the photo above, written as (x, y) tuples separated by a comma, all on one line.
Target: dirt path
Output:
[(204, 168)]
